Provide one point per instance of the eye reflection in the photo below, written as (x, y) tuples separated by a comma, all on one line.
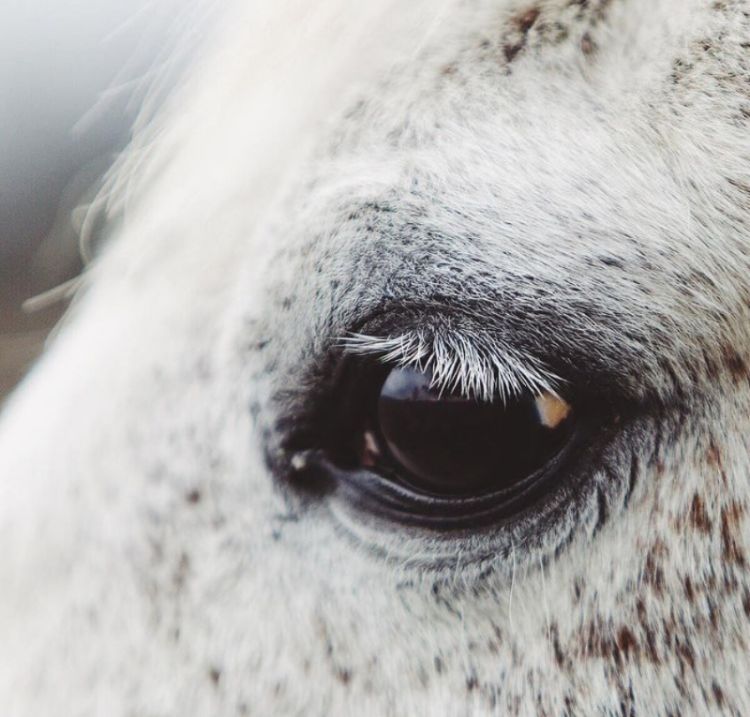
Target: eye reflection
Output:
[(445, 443)]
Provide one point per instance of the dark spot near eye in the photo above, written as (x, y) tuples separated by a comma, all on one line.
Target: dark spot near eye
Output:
[(730, 519), (651, 651), (527, 19), (193, 497), (698, 516), (522, 24), (653, 573), (510, 51), (626, 642), (588, 46), (746, 603), (735, 364), (718, 694), (685, 655), (556, 647), (214, 674), (689, 589), (343, 676), (713, 456)]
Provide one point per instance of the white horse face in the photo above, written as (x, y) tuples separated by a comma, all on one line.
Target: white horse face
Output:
[(216, 495)]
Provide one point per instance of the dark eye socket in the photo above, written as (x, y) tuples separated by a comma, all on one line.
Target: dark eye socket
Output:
[(447, 444)]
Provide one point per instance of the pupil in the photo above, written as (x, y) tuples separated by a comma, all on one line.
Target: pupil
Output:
[(451, 444)]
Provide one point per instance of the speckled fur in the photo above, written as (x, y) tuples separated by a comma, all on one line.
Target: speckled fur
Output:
[(565, 180)]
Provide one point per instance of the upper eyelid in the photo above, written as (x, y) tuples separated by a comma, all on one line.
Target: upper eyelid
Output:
[(490, 337), (478, 367)]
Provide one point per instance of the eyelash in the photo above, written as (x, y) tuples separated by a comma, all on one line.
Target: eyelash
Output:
[(481, 368)]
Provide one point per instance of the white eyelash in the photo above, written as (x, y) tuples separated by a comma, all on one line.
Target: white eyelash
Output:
[(480, 368)]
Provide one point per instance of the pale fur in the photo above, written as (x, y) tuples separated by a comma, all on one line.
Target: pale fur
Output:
[(560, 189)]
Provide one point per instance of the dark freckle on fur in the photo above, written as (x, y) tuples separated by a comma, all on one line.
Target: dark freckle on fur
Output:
[(527, 19), (523, 23), (214, 674), (698, 517), (344, 676), (689, 589), (718, 693), (730, 519), (556, 647), (510, 51), (735, 364), (438, 664), (651, 651), (713, 456), (588, 47), (653, 573), (472, 682), (626, 642), (193, 497)]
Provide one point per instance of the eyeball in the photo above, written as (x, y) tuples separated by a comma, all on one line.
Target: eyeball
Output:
[(447, 444)]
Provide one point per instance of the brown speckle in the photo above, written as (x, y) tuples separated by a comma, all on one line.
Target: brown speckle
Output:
[(713, 456), (698, 517), (653, 573), (522, 25), (730, 518), (526, 20), (511, 50), (214, 674), (588, 47), (626, 642), (193, 497), (734, 362), (344, 676), (689, 589), (718, 693)]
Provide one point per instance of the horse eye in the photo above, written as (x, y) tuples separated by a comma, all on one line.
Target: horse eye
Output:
[(446, 444)]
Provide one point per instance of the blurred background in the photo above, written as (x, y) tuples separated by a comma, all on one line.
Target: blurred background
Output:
[(72, 78)]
